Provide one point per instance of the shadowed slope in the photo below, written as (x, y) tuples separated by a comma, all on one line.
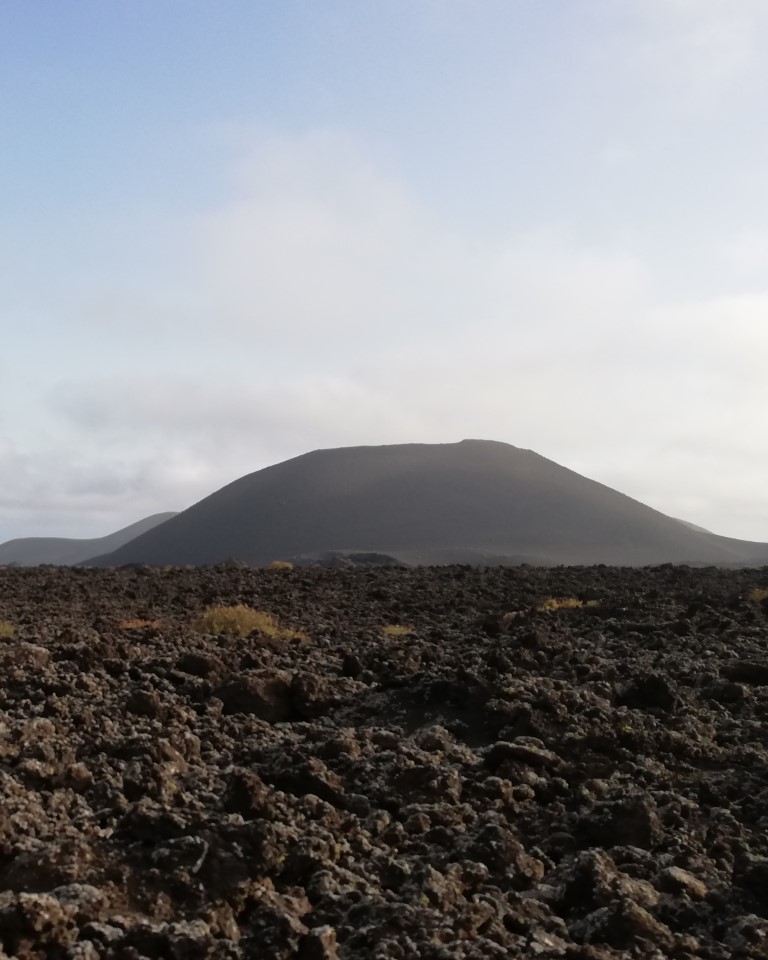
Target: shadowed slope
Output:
[(469, 502), (63, 551)]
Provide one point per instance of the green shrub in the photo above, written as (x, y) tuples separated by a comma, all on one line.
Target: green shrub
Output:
[(239, 621)]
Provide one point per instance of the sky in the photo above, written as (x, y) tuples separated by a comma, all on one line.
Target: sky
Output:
[(231, 233)]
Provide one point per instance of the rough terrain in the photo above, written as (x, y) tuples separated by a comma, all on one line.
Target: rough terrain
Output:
[(501, 781)]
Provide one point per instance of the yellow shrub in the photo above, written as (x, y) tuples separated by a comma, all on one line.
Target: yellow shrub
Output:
[(241, 620), (759, 594), (280, 565), (137, 624), (396, 630), (6, 629), (564, 603)]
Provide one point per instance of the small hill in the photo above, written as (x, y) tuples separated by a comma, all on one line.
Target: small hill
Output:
[(63, 551), (476, 501)]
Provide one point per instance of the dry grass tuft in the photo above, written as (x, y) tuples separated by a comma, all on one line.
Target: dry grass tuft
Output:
[(6, 629), (759, 594), (396, 630), (280, 565), (137, 624), (240, 621), (564, 603)]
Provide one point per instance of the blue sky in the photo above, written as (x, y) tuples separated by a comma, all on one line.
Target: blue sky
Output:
[(234, 232)]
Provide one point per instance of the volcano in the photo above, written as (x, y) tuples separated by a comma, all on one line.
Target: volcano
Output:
[(472, 502)]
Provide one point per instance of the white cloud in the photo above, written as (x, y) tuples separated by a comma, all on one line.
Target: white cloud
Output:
[(321, 252), (617, 155), (51, 492), (746, 254), (696, 50)]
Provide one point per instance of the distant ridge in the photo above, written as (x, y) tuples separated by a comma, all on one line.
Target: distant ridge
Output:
[(63, 551), (476, 501)]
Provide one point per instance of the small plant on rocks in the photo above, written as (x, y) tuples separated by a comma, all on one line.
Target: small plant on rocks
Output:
[(564, 603), (240, 620), (396, 630), (6, 629)]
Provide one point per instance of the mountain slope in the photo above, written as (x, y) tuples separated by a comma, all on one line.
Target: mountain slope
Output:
[(470, 502), (63, 551)]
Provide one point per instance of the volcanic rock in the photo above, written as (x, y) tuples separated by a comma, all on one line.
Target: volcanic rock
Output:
[(597, 794)]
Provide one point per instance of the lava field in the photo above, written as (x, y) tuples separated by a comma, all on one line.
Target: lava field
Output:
[(427, 764)]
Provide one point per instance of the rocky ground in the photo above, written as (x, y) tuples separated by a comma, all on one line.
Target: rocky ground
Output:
[(496, 780)]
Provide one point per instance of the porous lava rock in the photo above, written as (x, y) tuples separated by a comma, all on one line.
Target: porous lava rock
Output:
[(449, 764)]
